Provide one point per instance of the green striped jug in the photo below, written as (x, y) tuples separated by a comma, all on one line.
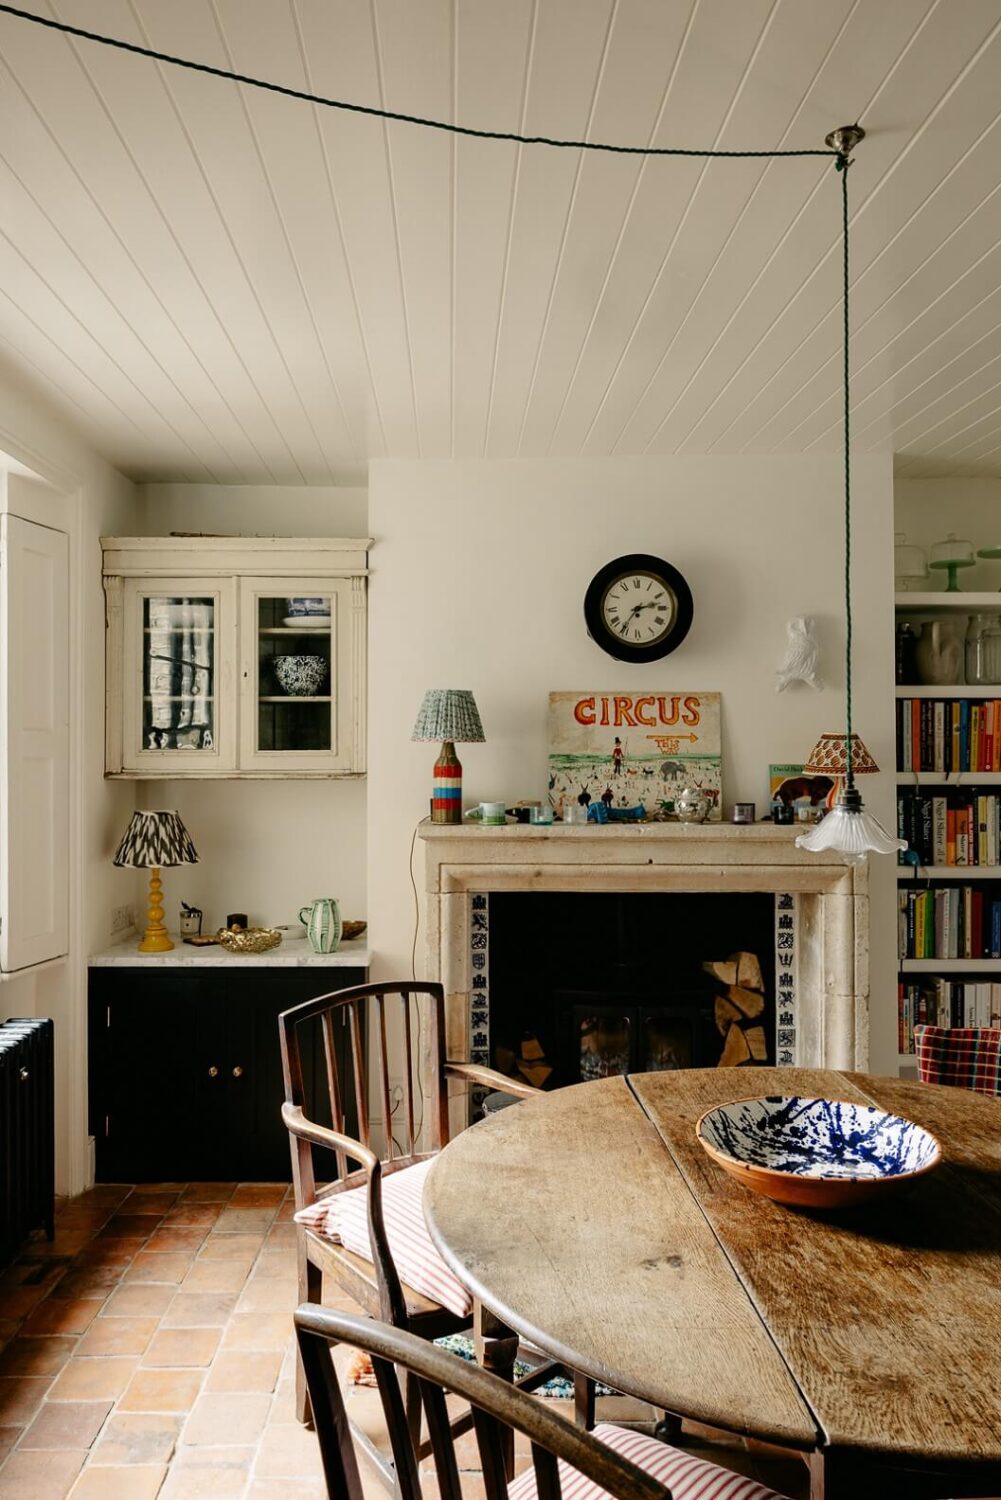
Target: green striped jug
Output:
[(322, 922)]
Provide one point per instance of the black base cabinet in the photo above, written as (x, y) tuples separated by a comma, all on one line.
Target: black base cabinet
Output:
[(185, 1070)]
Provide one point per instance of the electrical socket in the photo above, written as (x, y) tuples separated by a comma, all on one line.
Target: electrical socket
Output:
[(122, 918)]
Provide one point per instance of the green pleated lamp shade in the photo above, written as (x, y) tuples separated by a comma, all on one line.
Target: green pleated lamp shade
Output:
[(155, 841), (449, 714)]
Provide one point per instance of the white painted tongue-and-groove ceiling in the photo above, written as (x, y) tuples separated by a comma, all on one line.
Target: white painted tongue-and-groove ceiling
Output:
[(221, 284)]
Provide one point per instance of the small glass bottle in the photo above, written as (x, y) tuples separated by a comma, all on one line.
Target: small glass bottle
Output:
[(983, 650), (906, 664)]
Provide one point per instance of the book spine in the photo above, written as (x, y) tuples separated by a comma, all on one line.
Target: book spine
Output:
[(938, 721), (939, 853)]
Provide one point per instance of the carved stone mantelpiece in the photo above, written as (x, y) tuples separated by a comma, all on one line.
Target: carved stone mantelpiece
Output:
[(832, 905)]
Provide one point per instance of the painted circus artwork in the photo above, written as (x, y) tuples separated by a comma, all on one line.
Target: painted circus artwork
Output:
[(627, 749)]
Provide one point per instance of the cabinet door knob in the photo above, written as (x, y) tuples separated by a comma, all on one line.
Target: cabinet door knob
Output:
[(213, 1072), (238, 1071)]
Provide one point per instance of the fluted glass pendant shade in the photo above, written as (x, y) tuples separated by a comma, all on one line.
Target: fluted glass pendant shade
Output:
[(850, 830)]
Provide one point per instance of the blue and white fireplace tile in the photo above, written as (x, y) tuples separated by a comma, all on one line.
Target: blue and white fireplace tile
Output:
[(786, 978)]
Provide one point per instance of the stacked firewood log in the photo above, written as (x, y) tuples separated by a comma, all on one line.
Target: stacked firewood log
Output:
[(739, 1008)]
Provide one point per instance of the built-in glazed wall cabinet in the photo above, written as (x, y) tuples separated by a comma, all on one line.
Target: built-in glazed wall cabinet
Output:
[(235, 656)]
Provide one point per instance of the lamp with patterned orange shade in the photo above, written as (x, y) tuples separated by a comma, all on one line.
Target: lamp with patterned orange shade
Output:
[(448, 714)]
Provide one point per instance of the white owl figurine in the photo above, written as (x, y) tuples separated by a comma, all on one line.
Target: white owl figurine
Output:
[(800, 661)]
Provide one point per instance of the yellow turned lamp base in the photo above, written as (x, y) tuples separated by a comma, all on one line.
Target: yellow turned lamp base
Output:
[(156, 938)]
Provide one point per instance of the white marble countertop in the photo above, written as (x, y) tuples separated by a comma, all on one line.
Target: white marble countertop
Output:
[(292, 952)]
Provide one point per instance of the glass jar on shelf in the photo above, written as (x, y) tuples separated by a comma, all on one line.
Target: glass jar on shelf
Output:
[(983, 649)]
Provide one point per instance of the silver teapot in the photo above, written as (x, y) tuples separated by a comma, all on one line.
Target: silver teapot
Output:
[(691, 805)]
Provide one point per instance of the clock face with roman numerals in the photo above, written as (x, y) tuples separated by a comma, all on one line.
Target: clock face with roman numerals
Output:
[(638, 608)]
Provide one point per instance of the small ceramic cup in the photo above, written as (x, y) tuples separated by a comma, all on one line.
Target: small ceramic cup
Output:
[(490, 814)]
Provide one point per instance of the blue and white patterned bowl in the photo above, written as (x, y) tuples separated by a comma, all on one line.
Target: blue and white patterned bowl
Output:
[(816, 1153)]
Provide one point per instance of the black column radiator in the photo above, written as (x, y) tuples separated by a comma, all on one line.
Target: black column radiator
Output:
[(27, 1132)]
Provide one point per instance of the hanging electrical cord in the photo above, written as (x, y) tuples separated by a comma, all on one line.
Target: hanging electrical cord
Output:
[(385, 114)]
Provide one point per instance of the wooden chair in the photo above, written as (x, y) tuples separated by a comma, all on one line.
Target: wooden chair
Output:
[(627, 1465), (341, 1091), (967, 1057)]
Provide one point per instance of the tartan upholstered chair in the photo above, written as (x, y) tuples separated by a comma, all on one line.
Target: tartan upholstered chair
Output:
[(967, 1057), (364, 1231), (627, 1465)]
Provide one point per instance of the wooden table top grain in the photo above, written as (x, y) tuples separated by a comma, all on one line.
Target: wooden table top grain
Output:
[(592, 1222)]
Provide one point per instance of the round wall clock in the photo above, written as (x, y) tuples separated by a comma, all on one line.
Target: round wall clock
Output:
[(638, 608)]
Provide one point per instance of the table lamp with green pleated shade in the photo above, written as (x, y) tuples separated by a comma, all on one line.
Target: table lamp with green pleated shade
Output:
[(155, 841), (448, 715)]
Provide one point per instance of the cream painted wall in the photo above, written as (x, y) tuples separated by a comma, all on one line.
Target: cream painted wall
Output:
[(478, 576), (266, 847), (77, 492)]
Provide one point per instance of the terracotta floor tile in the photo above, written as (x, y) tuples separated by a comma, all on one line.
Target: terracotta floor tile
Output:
[(283, 1406), (102, 1378), (20, 1398), (289, 1489), (259, 1195), (162, 1390), (215, 1276), (67, 1242), (183, 1241), (258, 1331), (130, 1226), (208, 1192), (139, 1299), (137, 1438), (242, 1247), (148, 1267), (240, 1371), (156, 1201), (200, 1310), (244, 1221), (79, 1217), (287, 1210), (8, 1437), (109, 1253), (138, 1482), (268, 1295), (192, 1213), (20, 1301), (8, 1328), (239, 1418), (104, 1193), (175, 1348), (281, 1237), (117, 1336), (66, 1424), (39, 1476), (91, 1281), (56, 1316), (174, 1188), (276, 1263), (207, 1474), (288, 1450), (44, 1356)]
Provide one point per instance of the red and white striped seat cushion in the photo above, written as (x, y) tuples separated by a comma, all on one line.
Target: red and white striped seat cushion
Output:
[(687, 1477), (344, 1219)]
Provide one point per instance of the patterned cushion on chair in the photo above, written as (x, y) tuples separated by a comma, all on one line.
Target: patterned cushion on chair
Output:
[(968, 1057), (687, 1477), (343, 1218)]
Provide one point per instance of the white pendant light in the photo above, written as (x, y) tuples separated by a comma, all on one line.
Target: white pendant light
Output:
[(848, 828)]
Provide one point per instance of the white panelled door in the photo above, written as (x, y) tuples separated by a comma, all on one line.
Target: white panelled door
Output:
[(34, 743)]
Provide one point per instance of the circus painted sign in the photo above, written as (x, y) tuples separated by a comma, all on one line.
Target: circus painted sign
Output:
[(630, 749)]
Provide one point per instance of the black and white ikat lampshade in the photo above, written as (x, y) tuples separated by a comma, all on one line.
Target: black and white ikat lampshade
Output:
[(155, 841)]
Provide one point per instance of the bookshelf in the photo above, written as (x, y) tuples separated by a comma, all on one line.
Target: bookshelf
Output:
[(952, 818)]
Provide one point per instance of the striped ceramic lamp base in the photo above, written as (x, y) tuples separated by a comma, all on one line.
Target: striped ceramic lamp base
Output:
[(446, 794)]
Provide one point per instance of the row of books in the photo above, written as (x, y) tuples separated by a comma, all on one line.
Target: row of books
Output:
[(947, 735), (958, 921), (944, 1002), (961, 827)]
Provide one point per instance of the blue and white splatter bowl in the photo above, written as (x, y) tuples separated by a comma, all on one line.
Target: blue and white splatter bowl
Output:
[(816, 1153)]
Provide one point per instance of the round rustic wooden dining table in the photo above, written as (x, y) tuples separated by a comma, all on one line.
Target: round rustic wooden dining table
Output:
[(591, 1222)]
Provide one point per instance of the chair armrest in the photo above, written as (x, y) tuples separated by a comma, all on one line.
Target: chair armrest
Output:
[(331, 1140), (488, 1078)]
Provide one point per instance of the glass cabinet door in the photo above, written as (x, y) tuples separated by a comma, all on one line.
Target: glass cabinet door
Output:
[(178, 656), (289, 671)]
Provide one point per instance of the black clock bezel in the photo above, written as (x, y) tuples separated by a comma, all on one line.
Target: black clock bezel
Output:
[(640, 562)]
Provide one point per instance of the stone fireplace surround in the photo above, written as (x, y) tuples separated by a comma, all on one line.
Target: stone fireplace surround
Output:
[(830, 906)]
